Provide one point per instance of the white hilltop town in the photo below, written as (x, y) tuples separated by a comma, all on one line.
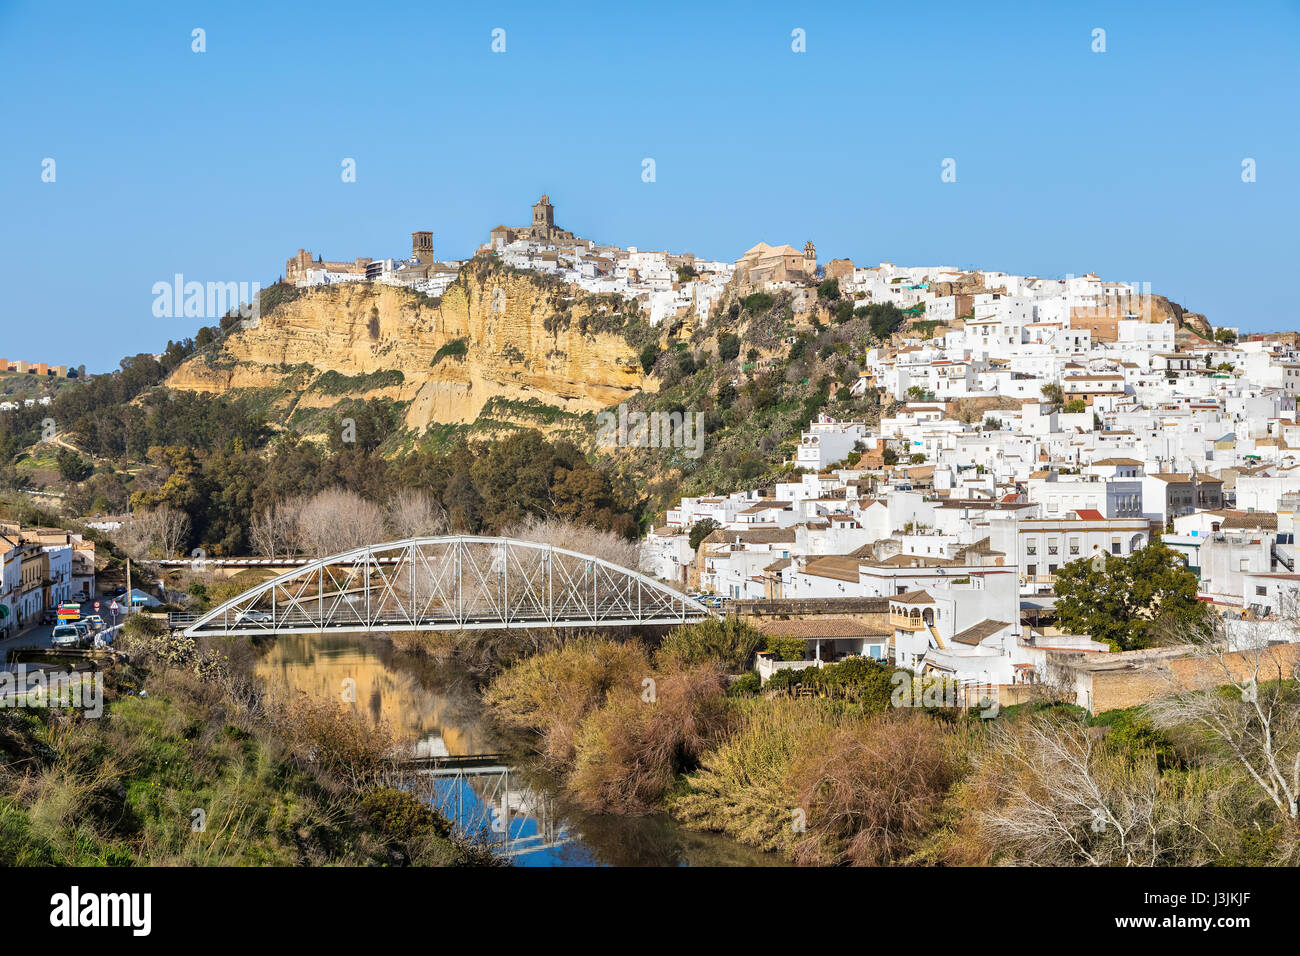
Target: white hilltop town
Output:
[(1035, 422)]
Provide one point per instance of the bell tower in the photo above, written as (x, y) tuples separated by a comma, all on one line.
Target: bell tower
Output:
[(543, 214), (422, 247)]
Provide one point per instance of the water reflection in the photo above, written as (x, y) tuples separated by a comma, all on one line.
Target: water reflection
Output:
[(437, 709)]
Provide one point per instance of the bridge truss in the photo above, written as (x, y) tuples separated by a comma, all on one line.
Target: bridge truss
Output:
[(456, 582)]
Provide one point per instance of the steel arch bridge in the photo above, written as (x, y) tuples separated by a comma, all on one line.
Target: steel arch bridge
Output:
[(457, 582)]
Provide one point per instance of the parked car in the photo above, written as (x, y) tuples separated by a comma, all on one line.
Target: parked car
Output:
[(66, 635), (84, 630), (50, 617), (95, 622)]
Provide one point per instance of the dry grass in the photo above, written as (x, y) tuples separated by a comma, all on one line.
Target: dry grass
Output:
[(553, 692), (630, 751), (873, 790)]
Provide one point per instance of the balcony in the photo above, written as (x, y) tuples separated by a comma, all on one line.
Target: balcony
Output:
[(906, 622)]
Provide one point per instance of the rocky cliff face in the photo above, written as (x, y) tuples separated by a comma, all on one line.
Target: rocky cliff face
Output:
[(495, 333)]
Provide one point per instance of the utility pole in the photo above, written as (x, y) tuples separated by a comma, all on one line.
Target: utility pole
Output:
[(128, 586)]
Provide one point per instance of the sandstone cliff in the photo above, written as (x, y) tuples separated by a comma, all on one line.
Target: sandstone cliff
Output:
[(496, 333)]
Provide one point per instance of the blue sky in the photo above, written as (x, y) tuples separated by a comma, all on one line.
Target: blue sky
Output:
[(221, 165)]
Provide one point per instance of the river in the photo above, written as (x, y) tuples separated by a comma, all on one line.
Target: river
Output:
[(509, 803)]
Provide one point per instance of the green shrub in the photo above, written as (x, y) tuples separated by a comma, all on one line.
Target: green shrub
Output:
[(787, 648), (649, 355), (746, 685), (456, 348), (731, 643)]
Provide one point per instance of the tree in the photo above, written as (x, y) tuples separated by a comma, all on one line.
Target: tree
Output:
[(272, 530), (649, 355), (728, 346), (830, 289), (1052, 395), (701, 530), (1128, 602), (1047, 792), (730, 642), (575, 536), (1075, 407), (413, 514), (72, 467), (158, 533), (1244, 695), (883, 318), (337, 520)]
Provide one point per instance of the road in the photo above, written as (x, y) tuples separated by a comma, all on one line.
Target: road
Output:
[(40, 635)]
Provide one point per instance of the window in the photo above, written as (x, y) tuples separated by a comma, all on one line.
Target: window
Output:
[(1260, 590), (1031, 570)]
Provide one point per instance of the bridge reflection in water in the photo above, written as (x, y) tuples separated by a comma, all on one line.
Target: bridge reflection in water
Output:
[(437, 708), (487, 801)]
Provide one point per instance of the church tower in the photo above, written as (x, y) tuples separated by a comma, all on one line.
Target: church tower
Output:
[(422, 247), (809, 258), (543, 215)]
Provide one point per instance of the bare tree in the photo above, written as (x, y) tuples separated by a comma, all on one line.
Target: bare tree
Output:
[(159, 533), (561, 533), (272, 530), (1238, 684), (414, 514), (1047, 794), (338, 520)]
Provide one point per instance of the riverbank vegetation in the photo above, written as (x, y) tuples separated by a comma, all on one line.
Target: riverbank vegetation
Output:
[(190, 765), (831, 766)]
